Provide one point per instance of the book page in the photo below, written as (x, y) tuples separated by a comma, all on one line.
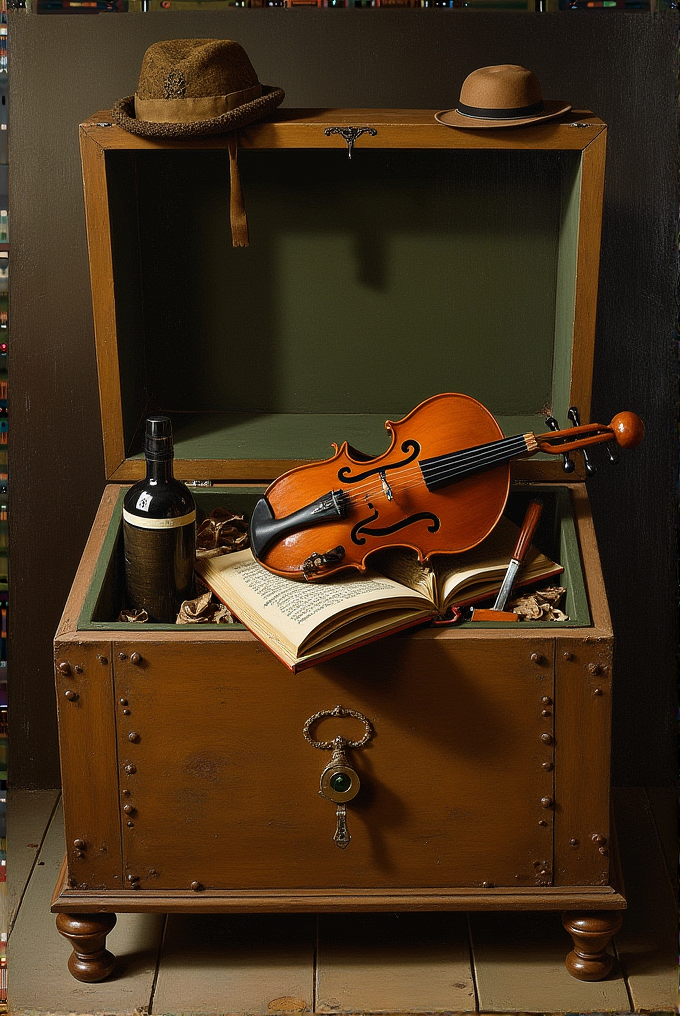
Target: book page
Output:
[(402, 565), (292, 611)]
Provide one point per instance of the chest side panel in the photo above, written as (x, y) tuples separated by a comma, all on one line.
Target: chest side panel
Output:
[(583, 689), (221, 788), (87, 742)]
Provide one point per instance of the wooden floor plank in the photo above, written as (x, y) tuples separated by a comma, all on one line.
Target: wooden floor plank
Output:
[(394, 962), (39, 981), (28, 814), (647, 941), (244, 963), (519, 967)]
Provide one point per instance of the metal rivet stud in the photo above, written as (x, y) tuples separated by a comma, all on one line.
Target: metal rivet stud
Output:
[(542, 822), (548, 766), (71, 695), (130, 769), (599, 838), (103, 660), (122, 656), (546, 802), (573, 842), (135, 658), (487, 885), (123, 701), (126, 712), (129, 809), (567, 656), (545, 712), (604, 851), (80, 853), (546, 700), (595, 668), (133, 878), (126, 792), (79, 844), (130, 825), (196, 886), (134, 736), (64, 668), (547, 738), (78, 669), (597, 691), (537, 658)]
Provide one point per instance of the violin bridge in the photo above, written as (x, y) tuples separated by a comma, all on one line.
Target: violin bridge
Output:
[(387, 490)]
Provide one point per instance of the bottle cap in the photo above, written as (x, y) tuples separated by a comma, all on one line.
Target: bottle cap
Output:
[(158, 442)]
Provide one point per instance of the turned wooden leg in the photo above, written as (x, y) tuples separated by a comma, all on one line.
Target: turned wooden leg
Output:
[(591, 933), (90, 960)]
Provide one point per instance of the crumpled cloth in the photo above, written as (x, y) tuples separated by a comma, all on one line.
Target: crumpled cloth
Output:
[(221, 532), (131, 614), (204, 610), (540, 606)]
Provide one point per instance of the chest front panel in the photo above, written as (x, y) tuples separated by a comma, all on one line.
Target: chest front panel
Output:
[(220, 787)]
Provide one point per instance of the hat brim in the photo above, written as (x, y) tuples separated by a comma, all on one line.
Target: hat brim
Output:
[(123, 113), (452, 118)]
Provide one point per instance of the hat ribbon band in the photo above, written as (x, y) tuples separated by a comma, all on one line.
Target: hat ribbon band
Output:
[(198, 108), (484, 113)]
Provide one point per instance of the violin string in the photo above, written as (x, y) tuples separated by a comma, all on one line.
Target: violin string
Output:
[(438, 462), (453, 465), (446, 468)]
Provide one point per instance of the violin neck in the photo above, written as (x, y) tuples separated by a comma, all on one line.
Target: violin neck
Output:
[(444, 469)]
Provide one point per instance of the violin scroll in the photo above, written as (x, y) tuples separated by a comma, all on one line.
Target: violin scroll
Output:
[(628, 429)]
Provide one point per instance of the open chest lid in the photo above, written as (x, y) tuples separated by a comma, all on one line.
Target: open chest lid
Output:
[(434, 260)]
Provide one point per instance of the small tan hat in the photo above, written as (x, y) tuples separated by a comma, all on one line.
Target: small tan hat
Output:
[(503, 95), (195, 87)]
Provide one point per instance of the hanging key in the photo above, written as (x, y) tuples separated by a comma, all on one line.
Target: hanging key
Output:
[(341, 836), (339, 781)]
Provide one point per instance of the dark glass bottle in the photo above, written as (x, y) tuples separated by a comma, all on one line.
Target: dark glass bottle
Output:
[(159, 531)]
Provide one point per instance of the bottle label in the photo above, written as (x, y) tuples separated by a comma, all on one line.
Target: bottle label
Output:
[(145, 523)]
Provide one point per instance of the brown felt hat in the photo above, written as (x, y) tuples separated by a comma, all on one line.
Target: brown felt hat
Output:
[(193, 87), (503, 95), (190, 87)]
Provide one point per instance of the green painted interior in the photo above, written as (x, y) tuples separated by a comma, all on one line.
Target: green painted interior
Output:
[(556, 536), (369, 286), (295, 435)]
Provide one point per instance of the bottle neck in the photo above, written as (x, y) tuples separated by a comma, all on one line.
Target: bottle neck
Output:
[(159, 470)]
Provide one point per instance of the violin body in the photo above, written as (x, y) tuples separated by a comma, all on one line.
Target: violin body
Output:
[(440, 488), (448, 520)]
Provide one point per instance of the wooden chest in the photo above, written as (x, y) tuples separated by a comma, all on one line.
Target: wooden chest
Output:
[(434, 260)]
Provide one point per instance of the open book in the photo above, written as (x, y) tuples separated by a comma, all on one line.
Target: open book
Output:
[(305, 623)]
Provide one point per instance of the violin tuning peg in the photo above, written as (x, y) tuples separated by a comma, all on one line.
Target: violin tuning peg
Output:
[(575, 418), (568, 464)]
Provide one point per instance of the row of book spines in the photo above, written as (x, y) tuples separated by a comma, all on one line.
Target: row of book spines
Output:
[(143, 6)]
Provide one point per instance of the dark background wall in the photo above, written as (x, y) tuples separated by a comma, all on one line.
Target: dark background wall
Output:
[(621, 65)]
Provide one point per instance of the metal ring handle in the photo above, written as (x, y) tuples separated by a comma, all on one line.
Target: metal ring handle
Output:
[(338, 742)]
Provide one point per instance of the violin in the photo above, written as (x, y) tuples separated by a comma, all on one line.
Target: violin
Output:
[(440, 488)]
